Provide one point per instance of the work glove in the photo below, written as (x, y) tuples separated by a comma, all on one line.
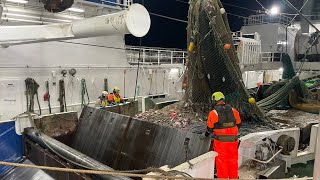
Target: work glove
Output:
[(203, 136)]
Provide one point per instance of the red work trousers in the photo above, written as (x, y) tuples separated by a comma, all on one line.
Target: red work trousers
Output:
[(227, 159)]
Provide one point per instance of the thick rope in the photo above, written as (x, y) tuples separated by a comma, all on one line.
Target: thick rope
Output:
[(84, 92), (114, 173)]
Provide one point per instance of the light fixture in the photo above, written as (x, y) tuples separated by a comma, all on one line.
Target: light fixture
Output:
[(281, 69), (274, 10), (174, 70), (74, 9), (18, 1)]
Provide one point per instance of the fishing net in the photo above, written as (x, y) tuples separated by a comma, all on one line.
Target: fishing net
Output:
[(210, 66), (288, 70)]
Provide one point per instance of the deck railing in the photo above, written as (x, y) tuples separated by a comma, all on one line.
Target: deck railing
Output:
[(155, 56), (266, 19)]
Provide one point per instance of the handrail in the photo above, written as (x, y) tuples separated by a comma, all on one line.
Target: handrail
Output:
[(265, 19), (155, 55)]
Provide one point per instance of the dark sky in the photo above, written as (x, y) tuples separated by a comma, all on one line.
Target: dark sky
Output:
[(172, 34)]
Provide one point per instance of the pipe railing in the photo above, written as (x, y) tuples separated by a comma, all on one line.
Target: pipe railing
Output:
[(156, 56), (249, 51), (271, 56), (266, 19)]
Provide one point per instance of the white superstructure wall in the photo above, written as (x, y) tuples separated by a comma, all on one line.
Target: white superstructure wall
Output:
[(93, 58)]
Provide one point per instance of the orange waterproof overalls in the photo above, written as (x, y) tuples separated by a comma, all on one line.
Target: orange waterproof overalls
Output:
[(222, 122)]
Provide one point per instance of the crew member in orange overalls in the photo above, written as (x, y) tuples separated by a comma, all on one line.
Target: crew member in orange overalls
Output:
[(222, 123)]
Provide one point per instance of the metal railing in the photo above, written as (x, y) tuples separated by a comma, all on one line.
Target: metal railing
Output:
[(266, 19), (271, 56), (249, 51), (155, 56)]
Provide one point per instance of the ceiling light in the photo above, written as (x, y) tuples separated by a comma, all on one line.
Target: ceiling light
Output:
[(18, 1), (274, 10), (76, 10)]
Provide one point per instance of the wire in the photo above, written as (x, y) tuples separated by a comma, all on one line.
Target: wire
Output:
[(237, 15), (232, 5), (262, 6), (93, 45), (167, 17), (298, 14), (138, 68), (182, 1)]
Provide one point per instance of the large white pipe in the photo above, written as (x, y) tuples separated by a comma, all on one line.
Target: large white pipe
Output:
[(135, 20)]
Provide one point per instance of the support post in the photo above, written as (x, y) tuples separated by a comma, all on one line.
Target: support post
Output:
[(171, 57), (183, 55), (316, 172), (158, 57), (144, 55)]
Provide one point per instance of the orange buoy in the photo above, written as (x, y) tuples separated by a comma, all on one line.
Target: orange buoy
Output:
[(226, 46)]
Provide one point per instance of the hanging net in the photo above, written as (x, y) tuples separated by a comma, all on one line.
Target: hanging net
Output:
[(213, 64)]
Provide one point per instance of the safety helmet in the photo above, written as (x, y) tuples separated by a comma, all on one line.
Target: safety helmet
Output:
[(217, 96), (116, 89), (105, 93)]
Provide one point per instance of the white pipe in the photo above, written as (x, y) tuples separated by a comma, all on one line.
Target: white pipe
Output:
[(135, 20), (316, 171)]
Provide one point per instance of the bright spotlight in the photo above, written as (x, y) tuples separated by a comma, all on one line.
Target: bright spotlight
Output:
[(274, 10)]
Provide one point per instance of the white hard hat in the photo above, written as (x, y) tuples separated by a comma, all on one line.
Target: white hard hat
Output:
[(105, 93)]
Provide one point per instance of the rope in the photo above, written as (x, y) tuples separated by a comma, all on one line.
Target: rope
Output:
[(32, 90), (114, 173), (139, 58), (47, 89), (62, 96), (84, 92)]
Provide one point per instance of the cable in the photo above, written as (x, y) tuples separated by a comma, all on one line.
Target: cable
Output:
[(138, 68), (237, 15), (262, 6), (298, 14), (93, 45), (232, 5), (167, 17), (182, 1)]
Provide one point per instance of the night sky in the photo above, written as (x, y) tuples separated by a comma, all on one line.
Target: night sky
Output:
[(173, 34)]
